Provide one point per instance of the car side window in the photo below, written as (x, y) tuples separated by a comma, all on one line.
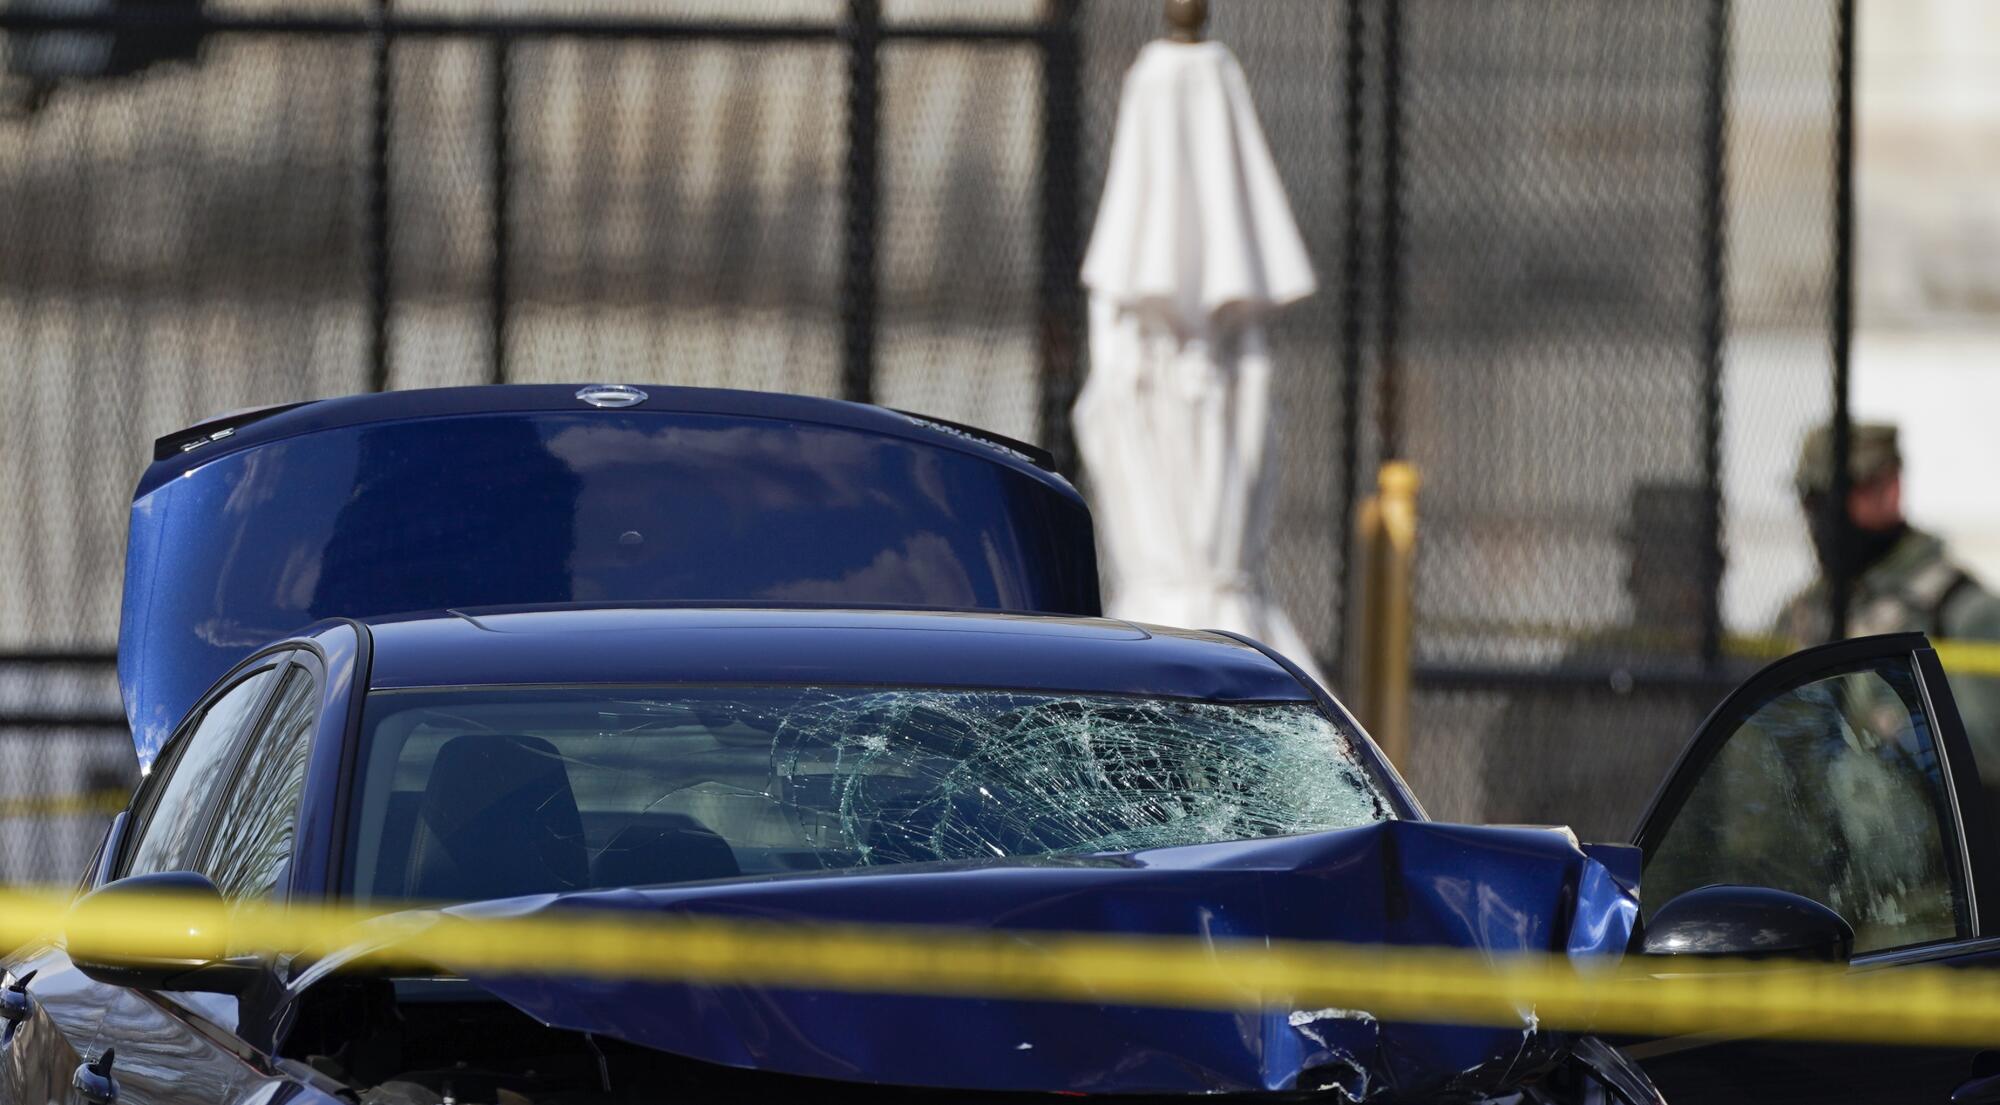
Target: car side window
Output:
[(170, 836), (252, 839), (1834, 790)]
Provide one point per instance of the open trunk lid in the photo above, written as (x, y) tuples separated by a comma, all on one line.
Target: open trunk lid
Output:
[(250, 527)]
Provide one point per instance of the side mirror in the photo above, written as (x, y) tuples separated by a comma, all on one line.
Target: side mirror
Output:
[(1748, 922), (167, 931)]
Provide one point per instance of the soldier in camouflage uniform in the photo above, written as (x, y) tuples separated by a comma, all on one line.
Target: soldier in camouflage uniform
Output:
[(1901, 577)]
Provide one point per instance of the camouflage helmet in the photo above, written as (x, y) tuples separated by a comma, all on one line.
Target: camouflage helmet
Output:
[(1871, 453)]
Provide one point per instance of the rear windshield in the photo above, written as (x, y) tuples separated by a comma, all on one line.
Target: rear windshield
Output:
[(494, 792)]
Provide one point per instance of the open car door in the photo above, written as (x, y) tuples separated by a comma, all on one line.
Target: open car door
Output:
[(1841, 774)]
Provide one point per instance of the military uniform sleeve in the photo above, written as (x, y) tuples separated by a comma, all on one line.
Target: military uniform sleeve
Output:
[(1975, 616), (1797, 624)]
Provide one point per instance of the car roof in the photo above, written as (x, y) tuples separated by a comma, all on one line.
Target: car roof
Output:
[(665, 643)]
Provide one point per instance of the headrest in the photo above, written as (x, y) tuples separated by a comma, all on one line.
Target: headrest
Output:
[(497, 820), (664, 848)]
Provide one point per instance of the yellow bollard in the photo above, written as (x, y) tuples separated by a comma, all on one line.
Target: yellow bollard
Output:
[(1386, 540)]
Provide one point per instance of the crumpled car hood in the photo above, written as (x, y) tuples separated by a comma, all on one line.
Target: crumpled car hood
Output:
[(1410, 883)]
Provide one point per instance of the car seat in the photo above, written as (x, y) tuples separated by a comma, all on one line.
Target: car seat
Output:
[(497, 820)]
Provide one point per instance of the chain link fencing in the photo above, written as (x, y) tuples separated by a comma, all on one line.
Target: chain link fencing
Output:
[(1575, 262), (1617, 282)]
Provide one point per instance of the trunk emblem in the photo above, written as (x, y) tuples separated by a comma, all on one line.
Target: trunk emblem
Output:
[(611, 395)]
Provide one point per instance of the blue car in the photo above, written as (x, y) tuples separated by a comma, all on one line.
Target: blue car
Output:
[(674, 651)]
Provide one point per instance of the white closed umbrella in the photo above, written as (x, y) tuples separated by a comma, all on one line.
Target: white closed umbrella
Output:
[(1194, 246)]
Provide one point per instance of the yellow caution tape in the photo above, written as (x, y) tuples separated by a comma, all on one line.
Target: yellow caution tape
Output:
[(1911, 1004), (1959, 656), (1906, 1005), (103, 802), (1764, 648), (1969, 657)]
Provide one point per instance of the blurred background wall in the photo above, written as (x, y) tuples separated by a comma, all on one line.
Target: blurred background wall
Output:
[(1599, 277), (1928, 186)]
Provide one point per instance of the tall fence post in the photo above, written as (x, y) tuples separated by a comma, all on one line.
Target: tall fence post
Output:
[(863, 35), (502, 184), (1388, 410), (1714, 322), (1838, 523), (1352, 302), (379, 216), (1060, 256), (1386, 523)]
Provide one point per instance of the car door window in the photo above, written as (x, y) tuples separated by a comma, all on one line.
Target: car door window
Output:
[(170, 837), (246, 851), (1833, 789)]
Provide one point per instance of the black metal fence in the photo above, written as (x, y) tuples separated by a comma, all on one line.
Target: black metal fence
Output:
[(1579, 264), (1605, 317), (424, 174)]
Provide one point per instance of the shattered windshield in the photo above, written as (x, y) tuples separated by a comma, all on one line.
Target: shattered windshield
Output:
[(493, 792)]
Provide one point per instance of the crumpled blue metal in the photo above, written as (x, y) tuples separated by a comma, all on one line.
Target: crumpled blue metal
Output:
[(1403, 882)]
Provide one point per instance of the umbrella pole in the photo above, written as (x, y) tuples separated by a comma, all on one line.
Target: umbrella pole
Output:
[(1386, 532)]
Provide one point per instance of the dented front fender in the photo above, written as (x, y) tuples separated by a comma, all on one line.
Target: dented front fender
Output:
[(1501, 890)]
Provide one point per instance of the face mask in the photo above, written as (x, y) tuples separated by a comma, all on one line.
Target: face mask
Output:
[(1852, 552)]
